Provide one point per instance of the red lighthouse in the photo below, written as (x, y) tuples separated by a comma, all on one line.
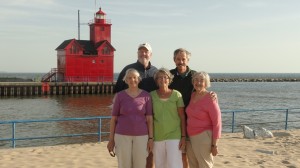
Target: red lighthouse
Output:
[(86, 60)]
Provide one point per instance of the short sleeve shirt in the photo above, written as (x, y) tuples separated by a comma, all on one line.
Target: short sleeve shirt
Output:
[(132, 113), (166, 119)]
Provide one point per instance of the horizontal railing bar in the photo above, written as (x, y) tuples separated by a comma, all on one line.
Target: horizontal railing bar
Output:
[(58, 136), (251, 110), (54, 120), (265, 123), (6, 139)]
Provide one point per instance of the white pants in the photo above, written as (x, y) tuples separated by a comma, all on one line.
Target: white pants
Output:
[(166, 154), (131, 151)]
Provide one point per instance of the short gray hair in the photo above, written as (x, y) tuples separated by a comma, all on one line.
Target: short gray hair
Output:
[(130, 71), (182, 50), (204, 75), (163, 71)]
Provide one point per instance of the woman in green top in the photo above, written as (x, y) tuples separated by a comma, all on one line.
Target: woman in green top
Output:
[(169, 122)]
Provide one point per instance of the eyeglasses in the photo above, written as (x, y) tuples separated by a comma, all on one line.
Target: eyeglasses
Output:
[(112, 153)]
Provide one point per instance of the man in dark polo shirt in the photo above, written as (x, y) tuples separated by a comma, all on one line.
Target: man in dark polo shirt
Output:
[(143, 66)]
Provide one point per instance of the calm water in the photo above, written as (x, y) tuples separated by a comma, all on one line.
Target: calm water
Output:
[(38, 76), (232, 96)]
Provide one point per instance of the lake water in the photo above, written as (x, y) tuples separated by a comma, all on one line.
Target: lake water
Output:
[(231, 96)]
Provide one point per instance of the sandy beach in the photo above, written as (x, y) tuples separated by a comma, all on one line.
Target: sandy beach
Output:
[(282, 151)]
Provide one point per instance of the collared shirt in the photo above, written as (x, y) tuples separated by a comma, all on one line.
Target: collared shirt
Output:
[(183, 84)]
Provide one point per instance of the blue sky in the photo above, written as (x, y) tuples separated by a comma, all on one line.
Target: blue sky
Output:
[(224, 36)]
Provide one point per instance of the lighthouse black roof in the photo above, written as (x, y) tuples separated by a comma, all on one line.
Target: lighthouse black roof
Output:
[(88, 46)]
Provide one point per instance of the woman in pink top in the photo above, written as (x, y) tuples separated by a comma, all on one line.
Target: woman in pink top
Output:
[(204, 123)]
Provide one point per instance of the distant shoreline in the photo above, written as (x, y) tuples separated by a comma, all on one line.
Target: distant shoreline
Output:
[(14, 79)]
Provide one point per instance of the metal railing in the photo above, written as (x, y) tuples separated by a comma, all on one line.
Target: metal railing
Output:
[(15, 138), (229, 118), (49, 75), (276, 116)]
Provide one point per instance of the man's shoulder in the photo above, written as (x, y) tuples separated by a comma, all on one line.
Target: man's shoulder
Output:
[(173, 71), (192, 71), (152, 67), (132, 65)]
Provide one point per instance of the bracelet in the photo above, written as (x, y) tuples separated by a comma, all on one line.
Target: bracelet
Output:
[(150, 138), (214, 146), (182, 136)]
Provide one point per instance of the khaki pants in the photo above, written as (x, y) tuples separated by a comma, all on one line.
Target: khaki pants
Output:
[(131, 151), (199, 150)]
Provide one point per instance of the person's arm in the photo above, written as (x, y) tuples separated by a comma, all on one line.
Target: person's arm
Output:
[(215, 115), (183, 127), (214, 147), (111, 142), (149, 119), (113, 122)]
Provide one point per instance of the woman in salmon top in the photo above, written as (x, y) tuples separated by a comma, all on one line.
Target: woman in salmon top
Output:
[(204, 123)]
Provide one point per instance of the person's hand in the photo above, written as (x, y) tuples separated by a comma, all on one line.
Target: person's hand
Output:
[(182, 144), (214, 150), (213, 95), (111, 145), (150, 145)]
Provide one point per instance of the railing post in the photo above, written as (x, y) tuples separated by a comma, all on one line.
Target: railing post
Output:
[(13, 134), (286, 118), (99, 129), (233, 122)]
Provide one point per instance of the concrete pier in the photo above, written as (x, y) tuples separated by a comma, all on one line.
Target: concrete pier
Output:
[(53, 88), (67, 88)]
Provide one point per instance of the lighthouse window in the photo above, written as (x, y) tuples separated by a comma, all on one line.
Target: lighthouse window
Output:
[(93, 61), (105, 51), (102, 28), (73, 49)]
